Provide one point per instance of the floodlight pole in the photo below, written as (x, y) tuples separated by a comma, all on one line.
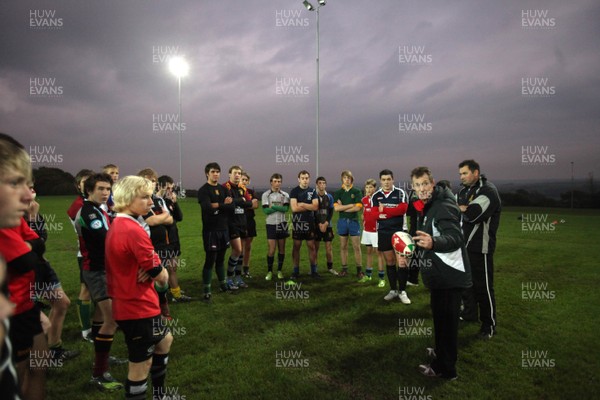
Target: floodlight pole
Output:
[(181, 189), (318, 94)]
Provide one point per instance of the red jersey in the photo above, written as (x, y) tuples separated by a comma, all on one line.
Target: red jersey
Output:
[(13, 246), (129, 248), (74, 208), (369, 219)]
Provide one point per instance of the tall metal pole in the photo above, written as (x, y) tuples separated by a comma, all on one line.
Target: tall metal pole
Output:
[(318, 92), (181, 190), (572, 182)]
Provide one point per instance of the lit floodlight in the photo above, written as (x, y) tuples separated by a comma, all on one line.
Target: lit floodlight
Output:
[(308, 6), (178, 67)]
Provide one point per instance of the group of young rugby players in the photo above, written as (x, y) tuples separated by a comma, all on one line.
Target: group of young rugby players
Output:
[(129, 252)]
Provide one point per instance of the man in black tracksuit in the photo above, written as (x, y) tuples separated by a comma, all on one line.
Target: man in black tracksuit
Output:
[(445, 269), (480, 204)]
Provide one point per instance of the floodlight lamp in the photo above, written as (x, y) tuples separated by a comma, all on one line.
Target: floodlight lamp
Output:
[(308, 6), (178, 67), (322, 2)]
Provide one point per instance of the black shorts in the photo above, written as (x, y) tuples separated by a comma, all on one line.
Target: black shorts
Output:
[(142, 336), (251, 227), (168, 253), (96, 284), (23, 328), (215, 240), (326, 236), (384, 240), (44, 273), (277, 232), (303, 230), (237, 232)]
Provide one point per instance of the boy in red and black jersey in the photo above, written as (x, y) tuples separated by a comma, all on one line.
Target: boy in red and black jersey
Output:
[(92, 224), (237, 225), (250, 224)]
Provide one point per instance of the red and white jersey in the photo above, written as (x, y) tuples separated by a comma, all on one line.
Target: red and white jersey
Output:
[(369, 219)]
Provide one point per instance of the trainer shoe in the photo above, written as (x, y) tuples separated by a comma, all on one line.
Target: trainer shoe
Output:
[(231, 285), (365, 279), (315, 275), (430, 352), (87, 338), (62, 354), (486, 333), (112, 360), (182, 299), (409, 283), (294, 277), (280, 275), (343, 273), (404, 298), (391, 295), (269, 276), (381, 283), (207, 298), (106, 382), (247, 275), (425, 369), (241, 284), (333, 271)]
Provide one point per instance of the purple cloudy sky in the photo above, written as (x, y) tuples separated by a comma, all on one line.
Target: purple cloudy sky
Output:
[(461, 68)]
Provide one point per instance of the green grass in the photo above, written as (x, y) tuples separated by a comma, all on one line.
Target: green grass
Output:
[(348, 335)]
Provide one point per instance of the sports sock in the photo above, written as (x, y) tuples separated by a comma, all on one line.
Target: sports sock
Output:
[(270, 261), (381, 274), (313, 268), (83, 312), (402, 278), (280, 259), (329, 265), (96, 325), (296, 271), (246, 269), (369, 271), (102, 345), (136, 390), (345, 268), (358, 269), (158, 373), (392, 277), (176, 292)]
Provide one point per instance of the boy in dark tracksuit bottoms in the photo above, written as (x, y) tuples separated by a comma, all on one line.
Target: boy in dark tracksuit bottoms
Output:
[(446, 270)]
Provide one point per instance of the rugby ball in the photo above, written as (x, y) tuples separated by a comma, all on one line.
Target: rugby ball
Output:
[(403, 243)]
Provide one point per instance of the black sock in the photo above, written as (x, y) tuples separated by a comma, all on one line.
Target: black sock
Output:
[(270, 261), (158, 373), (402, 278), (280, 259), (392, 277), (136, 389), (329, 265), (96, 325)]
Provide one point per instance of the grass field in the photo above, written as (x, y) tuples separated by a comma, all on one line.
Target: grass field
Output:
[(339, 339)]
